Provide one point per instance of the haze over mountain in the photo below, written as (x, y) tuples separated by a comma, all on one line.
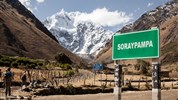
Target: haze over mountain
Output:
[(82, 37), (164, 17), (22, 34)]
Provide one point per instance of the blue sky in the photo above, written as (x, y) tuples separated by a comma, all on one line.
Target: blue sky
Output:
[(130, 9)]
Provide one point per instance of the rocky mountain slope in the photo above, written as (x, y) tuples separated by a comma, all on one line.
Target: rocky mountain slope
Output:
[(22, 34), (164, 17), (80, 37)]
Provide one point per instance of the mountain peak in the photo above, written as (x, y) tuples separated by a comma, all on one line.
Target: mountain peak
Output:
[(62, 12), (80, 37)]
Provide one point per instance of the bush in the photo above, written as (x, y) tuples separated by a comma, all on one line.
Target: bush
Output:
[(7, 63), (143, 66), (103, 87), (137, 67), (14, 64), (130, 85), (23, 61), (32, 66), (65, 66), (7, 59), (71, 89), (63, 59), (1, 63), (40, 64), (69, 73)]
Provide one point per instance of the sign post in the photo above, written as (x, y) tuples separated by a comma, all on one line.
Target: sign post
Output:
[(156, 82), (118, 80), (137, 45), (97, 67)]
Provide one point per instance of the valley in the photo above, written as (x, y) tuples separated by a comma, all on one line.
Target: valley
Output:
[(69, 57)]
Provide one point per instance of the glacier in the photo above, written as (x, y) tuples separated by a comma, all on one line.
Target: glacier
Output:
[(83, 38)]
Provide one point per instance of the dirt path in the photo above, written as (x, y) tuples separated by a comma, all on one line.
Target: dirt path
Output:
[(15, 94), (14, 89), (144, 95)]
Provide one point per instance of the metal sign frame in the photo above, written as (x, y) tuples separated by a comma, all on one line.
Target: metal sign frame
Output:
[(156, 82)]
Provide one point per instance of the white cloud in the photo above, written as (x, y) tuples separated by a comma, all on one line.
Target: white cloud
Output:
[(29, 6), (25, 2), (35, 8), (40, 1), (104, 17), (150, 4)]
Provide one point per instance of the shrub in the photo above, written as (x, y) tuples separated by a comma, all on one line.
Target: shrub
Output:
[(32, 66), (14, 64), (143, 66), (66, 66), (103, 86), (71, 89), (69, 73), (1, 63), (23, 61), (130, 86), (63, 59), (40, 64), (137, 67), (7, 63)]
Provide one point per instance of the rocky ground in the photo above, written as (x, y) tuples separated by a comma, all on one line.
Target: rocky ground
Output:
[(141, 95), (15, 94), (171, 94)]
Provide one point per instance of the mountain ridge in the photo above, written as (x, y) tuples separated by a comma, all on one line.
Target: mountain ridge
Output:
[(22, 34), (167, 13), (28, 14)]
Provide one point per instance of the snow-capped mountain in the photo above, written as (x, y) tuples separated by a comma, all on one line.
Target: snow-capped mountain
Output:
[(81, 37)]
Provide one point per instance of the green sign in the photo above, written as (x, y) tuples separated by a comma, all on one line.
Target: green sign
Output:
[(136, 45)]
